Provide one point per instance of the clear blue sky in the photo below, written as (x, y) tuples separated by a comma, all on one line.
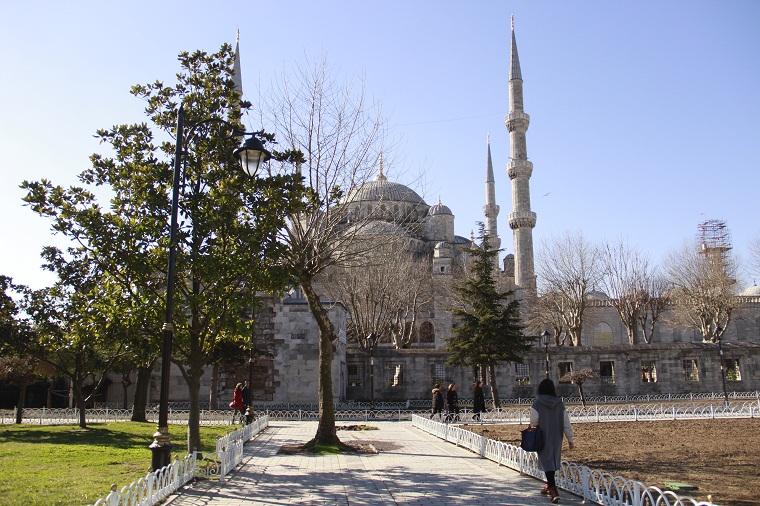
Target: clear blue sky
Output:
[(644, 115)]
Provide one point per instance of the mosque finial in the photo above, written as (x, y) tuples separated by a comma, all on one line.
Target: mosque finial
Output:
[(513, 22), (439, 199), (381, 175), (237, 38)]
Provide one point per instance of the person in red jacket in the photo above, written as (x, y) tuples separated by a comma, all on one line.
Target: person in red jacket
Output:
[(237, 400)]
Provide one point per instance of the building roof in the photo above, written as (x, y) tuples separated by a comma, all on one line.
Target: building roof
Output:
[(439, 208), (386, 191)]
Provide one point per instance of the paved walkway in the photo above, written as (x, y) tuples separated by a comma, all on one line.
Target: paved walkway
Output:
[(412, 467)]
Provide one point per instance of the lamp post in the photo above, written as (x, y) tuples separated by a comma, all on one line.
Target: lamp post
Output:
[(719, 338), (545, 339), (251, 154)]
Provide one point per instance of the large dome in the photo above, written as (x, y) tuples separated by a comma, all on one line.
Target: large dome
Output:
[(383, 190), (752, 291)]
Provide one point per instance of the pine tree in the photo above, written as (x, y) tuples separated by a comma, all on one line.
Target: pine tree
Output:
[(489, 330)]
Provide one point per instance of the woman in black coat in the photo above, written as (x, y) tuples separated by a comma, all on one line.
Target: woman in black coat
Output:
[(478, 401), (452, 402), (437, 400)]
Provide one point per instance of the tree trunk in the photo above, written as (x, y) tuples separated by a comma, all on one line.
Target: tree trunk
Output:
[(326, 434), (79, 401), (583, 397), (125, 382), (141, 393), (21, 402), (494, 387), (49, 397), (213, 393), (195, 371)]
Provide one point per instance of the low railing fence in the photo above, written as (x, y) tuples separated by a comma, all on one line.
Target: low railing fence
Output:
[(423, 404), (590, 413), (156, 486), (594, 485)]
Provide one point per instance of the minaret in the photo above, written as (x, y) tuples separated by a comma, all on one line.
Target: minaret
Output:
[(237, 77), (521, 219), (491, 210)]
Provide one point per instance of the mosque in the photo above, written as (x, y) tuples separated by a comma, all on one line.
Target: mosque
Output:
[(675, 361)]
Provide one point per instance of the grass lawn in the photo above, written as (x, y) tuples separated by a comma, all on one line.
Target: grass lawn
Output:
[(63, 464)]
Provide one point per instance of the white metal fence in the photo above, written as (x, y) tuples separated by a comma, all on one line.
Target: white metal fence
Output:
[(591, 484), (706, 409), (158, 485)]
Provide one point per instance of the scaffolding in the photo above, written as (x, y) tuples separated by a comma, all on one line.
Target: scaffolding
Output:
[(714, 237)]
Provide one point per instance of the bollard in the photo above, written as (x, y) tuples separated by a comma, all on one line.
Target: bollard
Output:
[(299, 415)]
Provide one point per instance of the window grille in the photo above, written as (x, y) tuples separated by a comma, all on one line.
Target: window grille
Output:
[(733, 373), (648, 372), (301, 334), (437, 373), (691, 370), (522, 374), (565, 369), (607, 371), (393, 376), (354, 375)]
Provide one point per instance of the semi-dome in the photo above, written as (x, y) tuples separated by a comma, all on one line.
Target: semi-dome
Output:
[(751, 291), (439, 209)]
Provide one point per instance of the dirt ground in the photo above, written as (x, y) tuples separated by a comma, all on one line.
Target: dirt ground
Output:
[(720, 457)]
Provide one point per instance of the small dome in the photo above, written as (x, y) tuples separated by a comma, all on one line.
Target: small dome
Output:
[(439, 209), (597, 295), (751, 291)]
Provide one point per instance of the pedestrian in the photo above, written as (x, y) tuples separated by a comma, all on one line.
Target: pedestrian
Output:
[(237, 402), (478, 401), (452, 403), (549, 413), (437, 400), (246, 394)]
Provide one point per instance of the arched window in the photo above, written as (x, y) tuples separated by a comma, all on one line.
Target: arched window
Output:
[(427, 333), (602, 335)]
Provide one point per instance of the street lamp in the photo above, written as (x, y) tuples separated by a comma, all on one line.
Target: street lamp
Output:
[(545, 339), (719, 338), (252, 154)]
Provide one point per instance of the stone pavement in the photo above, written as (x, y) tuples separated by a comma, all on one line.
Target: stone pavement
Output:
[(412, 467)]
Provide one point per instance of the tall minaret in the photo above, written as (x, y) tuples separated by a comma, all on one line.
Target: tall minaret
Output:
[(521, 219), (491, 210), (237, 77)]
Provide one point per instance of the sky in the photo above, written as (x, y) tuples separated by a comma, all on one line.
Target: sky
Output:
[(643, 114)]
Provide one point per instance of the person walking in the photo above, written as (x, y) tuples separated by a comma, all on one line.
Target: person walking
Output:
[(549, 413), (246, 394), (437, 400), (237, 402), (452, 403), (478, 401)]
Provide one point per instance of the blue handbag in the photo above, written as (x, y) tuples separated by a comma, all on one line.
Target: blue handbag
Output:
[(532, 439)]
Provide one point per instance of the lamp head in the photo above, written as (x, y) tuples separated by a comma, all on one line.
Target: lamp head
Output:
[(252, 154), (545, 337)]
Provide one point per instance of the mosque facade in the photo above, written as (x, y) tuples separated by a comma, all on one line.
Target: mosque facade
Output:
[(676, 361)]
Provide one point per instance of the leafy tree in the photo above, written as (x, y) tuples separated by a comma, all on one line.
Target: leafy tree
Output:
[(227, 246), (71, 328), (489, 331)]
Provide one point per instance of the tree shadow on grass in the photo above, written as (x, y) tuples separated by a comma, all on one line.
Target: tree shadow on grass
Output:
[(94, 435)]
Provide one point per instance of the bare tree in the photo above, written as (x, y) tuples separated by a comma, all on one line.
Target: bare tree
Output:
[(544, 313), (382, 294), (569, 267), (656, 298), (625, 275), (339, 136), (578, 378), (703, 291)]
